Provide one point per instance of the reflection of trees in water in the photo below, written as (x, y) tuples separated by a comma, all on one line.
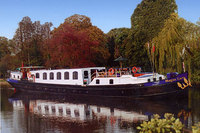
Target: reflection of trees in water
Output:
[(5, 105), (191, 115), (42, 124), (195, 105)]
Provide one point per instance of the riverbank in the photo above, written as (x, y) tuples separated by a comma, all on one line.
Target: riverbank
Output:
[(4, 83)]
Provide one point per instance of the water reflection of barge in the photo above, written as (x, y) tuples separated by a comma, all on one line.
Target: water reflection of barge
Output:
[(90, 112), (126, 104), (99, 81), (58, 107)]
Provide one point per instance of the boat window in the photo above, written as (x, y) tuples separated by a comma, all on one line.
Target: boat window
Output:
[(46, 108), (53, 109), (154, 79), (51, 76), (37, 75), (60, 110), (58, 75), (75, 75), (44, 76), (39, 108), (13, 76), (68, 111), (149, 80), (98, 109), (66, 75), (111, 81), (97, 81), (76, 113), (160, 78), (18, 77), (85, 74)]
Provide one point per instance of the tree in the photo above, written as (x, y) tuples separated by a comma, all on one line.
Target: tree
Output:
[(79, 43), (30, 38), (149, 17), (82, 23), (117, 39), (198, 22), (146, 22), (69, 48), (79, 22), (4, 48), (8, 61), (177, 43)]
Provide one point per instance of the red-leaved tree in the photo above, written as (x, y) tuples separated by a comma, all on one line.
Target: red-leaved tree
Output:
[(69, 48), (76, 43)]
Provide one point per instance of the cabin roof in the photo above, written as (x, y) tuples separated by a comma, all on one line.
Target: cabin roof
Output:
[(32, 67), (87, 68)]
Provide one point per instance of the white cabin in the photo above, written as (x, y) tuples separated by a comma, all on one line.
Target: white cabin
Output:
[(15, 75), (79, 76)]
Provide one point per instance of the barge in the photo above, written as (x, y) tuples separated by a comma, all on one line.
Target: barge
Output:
[(99, 81)]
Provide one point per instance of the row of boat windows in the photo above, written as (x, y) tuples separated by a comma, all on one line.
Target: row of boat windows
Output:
[(68, 111), (60, 110), (58, 75), (16, 76)]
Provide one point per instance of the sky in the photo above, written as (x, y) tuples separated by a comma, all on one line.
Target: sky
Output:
[(105, 14)]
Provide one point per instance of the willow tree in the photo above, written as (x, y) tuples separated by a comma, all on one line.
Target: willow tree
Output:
[(175, 45)]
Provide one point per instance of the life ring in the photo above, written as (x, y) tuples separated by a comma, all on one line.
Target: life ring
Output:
[(134, 69), (111, 71), (29, 74)]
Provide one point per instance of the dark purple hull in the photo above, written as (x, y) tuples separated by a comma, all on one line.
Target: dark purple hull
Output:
[(162, 88)]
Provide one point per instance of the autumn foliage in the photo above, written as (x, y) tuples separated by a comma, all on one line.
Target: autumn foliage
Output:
[(76, 43)]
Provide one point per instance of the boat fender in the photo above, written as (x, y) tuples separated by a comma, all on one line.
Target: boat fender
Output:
[(134, 69), (111, 71)]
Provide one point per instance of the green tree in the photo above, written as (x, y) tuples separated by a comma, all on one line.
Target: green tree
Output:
[(146, 22), (8, 59), (177, 43), (149, 17), (116, 40)]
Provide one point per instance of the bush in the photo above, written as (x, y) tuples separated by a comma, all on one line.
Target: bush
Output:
[(196, 128), (158, 125)]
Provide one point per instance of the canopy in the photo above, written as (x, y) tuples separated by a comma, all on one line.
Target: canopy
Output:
[(120, 59)]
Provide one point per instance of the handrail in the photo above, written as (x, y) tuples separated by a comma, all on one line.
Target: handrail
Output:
[(108, 74)]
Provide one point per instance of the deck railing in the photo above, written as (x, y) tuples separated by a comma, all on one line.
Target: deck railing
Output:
[(109, 74)]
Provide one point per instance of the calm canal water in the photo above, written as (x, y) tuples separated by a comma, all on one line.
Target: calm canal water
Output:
[(52, 113)]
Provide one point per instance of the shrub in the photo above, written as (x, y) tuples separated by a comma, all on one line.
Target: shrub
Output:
[(158, 125), (196, 128)]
